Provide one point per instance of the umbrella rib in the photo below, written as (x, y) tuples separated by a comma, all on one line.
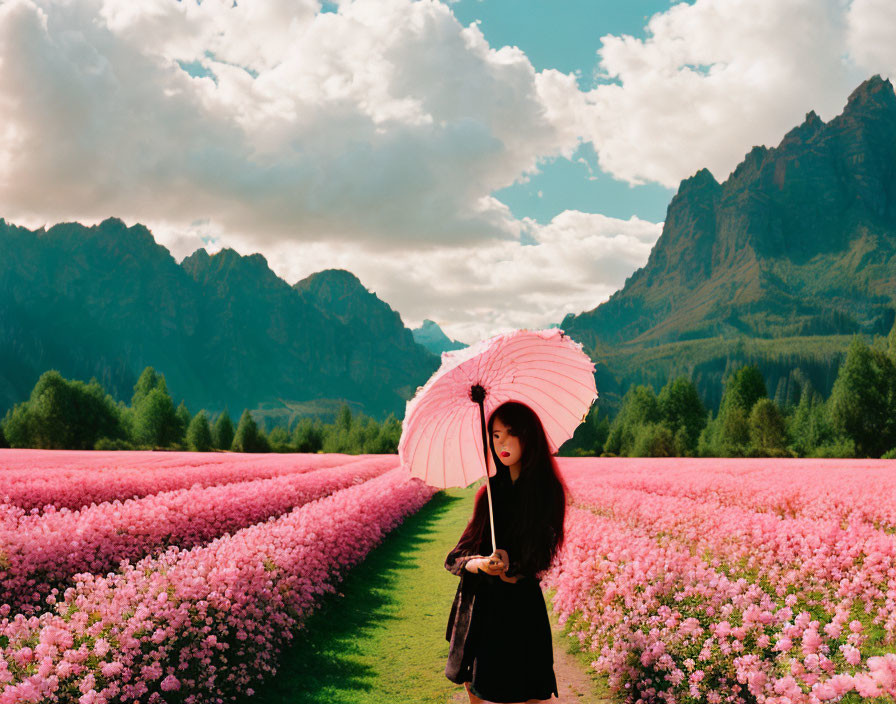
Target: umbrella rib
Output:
[(444, 466), (565, 376), (475, 428), (418, 439), (553, 359), (544, 410), (538, 345), (460, 451), (501, 353), (577, 401), (435, 435), (490, 361), (557, 388)]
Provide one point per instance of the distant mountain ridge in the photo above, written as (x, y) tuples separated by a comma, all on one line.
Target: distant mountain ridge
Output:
[(799, 240), (433, 338), (107, 300)]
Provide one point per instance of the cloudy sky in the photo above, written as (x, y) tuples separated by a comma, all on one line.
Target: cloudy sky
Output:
[(488, 164)]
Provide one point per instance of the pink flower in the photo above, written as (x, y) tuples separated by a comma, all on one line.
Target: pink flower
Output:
[(784, 644), (170, 683)]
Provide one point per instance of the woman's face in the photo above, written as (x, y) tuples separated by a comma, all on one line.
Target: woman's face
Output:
[(508, 447)]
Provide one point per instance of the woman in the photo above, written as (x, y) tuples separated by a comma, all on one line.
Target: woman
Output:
[(498, 629)]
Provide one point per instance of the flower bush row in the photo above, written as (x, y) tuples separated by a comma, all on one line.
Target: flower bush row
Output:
[(42, 552), (690, 600), (846, 489), (202, 625), (668, 627), (34, 479), (821, 561)]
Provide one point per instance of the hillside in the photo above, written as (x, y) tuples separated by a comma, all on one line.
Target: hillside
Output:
[(107, 300), (799, 240)]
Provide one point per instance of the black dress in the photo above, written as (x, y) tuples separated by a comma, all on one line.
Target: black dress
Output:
[(499, 632)]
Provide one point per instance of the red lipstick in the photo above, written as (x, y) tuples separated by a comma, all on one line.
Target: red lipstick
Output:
[(505, 454)]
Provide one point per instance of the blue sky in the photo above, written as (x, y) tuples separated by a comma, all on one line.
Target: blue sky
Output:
[(565, 35)]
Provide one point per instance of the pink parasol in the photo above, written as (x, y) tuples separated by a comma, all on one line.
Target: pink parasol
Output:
[(443, 438)]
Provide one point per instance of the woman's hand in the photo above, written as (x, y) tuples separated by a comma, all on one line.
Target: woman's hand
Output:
[(494, 565), (512, 580)]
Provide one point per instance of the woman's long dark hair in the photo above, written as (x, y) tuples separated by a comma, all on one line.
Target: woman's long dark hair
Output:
[(542, 494)]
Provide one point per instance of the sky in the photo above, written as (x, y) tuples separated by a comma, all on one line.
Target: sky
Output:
[(487, 164)]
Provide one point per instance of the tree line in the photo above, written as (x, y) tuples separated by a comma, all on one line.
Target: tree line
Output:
[(69, 414), (858, 419)]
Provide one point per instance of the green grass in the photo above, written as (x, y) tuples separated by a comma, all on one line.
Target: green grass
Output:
[(600, 689), (384, 640)]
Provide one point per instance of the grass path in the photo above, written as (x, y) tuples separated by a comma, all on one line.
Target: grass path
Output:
[(384, 640)]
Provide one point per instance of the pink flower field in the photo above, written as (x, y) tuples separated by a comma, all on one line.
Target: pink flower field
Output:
[(127, 577), (220, 564), (719, 580)]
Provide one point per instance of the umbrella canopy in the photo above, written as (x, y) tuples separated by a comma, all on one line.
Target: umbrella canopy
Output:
[(443, 439)]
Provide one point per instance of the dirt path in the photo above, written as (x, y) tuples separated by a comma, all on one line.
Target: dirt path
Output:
[(573, 682)]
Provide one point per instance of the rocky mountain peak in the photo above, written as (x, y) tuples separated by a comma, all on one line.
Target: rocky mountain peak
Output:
[(796, 225), (333, 279), (873, 95), (228, 265), (701, 181)]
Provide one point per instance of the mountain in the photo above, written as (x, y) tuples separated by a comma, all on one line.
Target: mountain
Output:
[(799, 240), (107, 300), (432, 337)]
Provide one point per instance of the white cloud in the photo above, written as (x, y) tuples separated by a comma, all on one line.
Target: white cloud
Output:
[(871, 28), (388, 123), (579, 260), (715, 78), (372, 138)]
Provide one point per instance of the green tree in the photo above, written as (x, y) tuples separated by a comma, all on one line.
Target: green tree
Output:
[(862, 406), (199, 433), (336, 439), (734, 432), (3, 442), (731, 433), (768, 433), (307, 436), (222, 433), (279, 439), (708, 439), (743, 388), (63, 414), (639, 407), (891, 342), (681, 408), (386, 436), (682, 444), (781, 392), (247, 437), (155, 421), (601, 433), (344, 418), (183, 418), (126, 415), (808, 426), (653, 440), (363, 434), (148, 381), (19, 426)]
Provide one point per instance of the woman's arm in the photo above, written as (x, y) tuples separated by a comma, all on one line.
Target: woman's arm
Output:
[(468, 546), (457, 561)]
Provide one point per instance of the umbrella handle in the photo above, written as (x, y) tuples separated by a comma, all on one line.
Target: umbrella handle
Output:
[(477, 394)]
